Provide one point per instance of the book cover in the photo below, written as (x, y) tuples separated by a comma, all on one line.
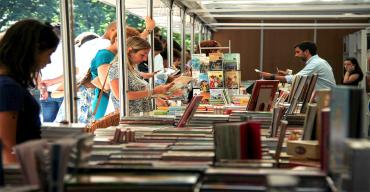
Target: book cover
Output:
[(216, 79), (232, 79), (196, 92), (262, 95), (203, 82), (206, 96), (231, 61), (204, 65), (196, 61), (215, 61), (195, 75), (241, 140), (180, 83), (216, 96)]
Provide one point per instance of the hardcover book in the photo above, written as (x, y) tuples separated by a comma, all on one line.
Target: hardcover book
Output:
[(197, 60), (203, 82), (262, 95), (346, 118), (216, 79), (240, 140), (189, 111), (216, 96), (232, 79), (231, 61), (215, 61)]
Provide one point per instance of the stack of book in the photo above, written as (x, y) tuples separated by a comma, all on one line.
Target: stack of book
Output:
[(237, 179), (13, 175), (201, 120), (53, 131), (263, 117), (131, 180), (152, 120)]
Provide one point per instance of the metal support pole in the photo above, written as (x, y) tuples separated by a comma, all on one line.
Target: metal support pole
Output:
[(261, 47), (69, 70), (150, 5), (122, 64), (315, 33), (192, 27), (170, 36), (183, 38)]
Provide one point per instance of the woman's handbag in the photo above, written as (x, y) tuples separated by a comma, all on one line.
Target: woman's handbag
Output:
[(112, 119)]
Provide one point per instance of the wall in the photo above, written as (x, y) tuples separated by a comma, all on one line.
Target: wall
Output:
[(278, 48)]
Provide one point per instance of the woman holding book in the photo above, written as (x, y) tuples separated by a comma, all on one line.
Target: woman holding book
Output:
[(139, 93), (353, 74), (24, 50)]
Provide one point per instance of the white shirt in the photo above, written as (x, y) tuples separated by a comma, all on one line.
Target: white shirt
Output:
[(86, 53), (55, 68), (325, 76), (158, 62)]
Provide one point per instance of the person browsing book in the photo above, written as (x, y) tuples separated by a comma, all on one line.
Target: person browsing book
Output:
[(353, 73), (24, 50), (307, 52), (139, 93)]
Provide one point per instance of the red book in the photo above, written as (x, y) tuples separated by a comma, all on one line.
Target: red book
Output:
[(263, 94), (253, 140), (324, 139)]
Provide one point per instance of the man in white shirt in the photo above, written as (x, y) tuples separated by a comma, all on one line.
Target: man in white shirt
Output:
[(307, 51)]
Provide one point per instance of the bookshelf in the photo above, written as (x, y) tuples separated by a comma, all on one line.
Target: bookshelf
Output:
[(217, 75)]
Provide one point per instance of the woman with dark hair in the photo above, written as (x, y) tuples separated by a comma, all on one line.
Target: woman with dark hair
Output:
[(353, 74), (24, 50)]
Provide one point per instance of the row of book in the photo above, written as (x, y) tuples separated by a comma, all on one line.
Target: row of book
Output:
[(213, 74)]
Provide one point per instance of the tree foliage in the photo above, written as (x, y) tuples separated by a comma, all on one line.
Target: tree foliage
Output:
[(89, 15)]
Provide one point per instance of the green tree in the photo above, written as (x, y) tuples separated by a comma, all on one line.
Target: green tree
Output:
[(14, 10), (92, 15)]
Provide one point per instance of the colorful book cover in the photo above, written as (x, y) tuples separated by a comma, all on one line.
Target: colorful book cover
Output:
[(231, 61), (216, 79), (216, 96), (195, 75), (196, 92), (196, 60), (215, 61), (232, 79), (204, 65), (203, 82), (206, 96)]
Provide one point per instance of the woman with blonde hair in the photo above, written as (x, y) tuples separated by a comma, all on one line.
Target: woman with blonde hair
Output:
[(139, 93)]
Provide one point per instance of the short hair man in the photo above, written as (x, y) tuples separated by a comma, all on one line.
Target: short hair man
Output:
[(307, 52)]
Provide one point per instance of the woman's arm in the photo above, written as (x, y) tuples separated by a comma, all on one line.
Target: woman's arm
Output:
[(8, 129), (114, 87), (161, 89), (147, 75), (102, 74), (349, 78), (149, 27), (53, 81)]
